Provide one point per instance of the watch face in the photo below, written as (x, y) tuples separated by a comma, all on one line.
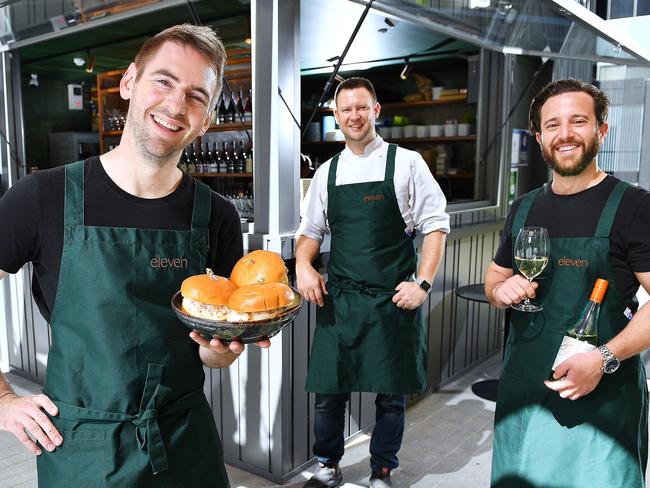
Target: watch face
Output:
[(425, 285), (611, 365)]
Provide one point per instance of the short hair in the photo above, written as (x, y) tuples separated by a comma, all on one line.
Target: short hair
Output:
[(355, 82), (601, 102), (201, 38)]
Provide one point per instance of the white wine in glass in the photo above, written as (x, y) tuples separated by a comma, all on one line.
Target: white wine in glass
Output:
[(532, 249)]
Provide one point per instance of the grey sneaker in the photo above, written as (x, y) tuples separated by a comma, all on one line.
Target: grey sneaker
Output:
[(325, 477), (381, 479)]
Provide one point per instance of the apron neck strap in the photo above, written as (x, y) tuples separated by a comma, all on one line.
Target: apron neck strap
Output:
[(524, 208), (74, 195), (390, 162), (202, 206), (331, 176), (609, 212)]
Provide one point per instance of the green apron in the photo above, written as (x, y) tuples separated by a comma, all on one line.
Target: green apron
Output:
[(363, 341), (540, 439), (122, 370)]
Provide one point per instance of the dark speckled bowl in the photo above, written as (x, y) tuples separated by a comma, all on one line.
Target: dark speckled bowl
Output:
[(246, 332)]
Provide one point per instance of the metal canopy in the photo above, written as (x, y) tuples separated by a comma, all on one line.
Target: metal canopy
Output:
[(560, 29)]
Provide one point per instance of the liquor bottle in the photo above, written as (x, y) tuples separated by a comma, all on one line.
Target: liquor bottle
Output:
[(248, 107), (203, 162), (242, 158), (221, 163), (231, 112), (225, 157), (249, 161), (191, 165), (234, 156), (582, 336), (184, 162), (221, 112)]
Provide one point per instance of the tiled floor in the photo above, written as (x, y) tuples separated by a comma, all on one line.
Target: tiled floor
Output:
[(447, 444)]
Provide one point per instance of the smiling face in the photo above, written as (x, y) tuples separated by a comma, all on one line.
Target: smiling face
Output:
[(570, 137), (356, 112), (170, 101)]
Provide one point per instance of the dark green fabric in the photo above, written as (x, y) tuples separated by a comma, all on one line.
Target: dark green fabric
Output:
[(540, 439), (126, 377), (363, 341)]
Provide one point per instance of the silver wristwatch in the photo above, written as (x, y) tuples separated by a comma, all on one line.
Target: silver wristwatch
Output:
[(610, 362)]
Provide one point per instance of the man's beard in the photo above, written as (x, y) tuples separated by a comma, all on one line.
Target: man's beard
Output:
[(157, 154), (590, 153)]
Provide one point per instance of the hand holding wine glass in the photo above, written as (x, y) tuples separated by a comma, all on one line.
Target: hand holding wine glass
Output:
[(532, 249)]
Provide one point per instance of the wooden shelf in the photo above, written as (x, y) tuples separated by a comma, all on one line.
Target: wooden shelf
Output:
[(114, 89), (235, 126), (408, 139), (112, 133), (222, 175)]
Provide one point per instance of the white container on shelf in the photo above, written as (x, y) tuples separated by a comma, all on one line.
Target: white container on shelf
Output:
[(451, 128), (422, 131), (436, 130), (464, 129), (329, 125), (396, 132), (410, 131), (383, 132), (436, 91)]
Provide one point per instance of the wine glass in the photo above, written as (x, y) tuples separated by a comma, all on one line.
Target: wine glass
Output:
[(532, 249)]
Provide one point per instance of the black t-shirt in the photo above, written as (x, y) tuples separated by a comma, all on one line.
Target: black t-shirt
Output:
[(31, 213), (577, 215)]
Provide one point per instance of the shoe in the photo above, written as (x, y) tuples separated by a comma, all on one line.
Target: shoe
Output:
[(381, 479), (325, 477)]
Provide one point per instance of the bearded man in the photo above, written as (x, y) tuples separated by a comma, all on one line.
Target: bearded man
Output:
[(587, 424)]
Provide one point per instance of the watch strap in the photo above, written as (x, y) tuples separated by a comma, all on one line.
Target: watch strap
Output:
[(424, 284)]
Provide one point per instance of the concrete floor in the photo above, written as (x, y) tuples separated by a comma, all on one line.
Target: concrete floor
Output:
[(447, 443)]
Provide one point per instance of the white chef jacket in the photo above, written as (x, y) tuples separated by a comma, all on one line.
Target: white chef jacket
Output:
[(419, 197)]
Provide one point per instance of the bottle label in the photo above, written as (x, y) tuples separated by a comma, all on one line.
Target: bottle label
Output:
[(570, 347)]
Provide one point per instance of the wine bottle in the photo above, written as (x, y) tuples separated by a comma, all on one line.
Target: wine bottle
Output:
[(248, 107), (221, 112), (191, 167), (582, 336), (240, 107), (231, 111), (249, 161)]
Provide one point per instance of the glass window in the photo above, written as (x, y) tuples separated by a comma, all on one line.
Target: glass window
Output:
[(642, 7), (621, 8)]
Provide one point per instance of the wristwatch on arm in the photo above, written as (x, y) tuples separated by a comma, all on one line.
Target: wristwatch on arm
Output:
[(425, 285), (610, 362)]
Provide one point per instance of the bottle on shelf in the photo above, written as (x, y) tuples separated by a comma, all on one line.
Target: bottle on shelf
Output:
[(248, 107), (231, 111), (203, 162), (234, 155), (183, 161), (222, 110), (242, 158), (225, 159), (582, 336), (240, 107), (249, 161), (191, 165)]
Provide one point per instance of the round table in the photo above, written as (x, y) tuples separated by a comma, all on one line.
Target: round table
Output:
[(486, 389)]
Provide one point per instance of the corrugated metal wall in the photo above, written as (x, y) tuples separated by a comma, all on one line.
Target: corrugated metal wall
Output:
[(261, 408)]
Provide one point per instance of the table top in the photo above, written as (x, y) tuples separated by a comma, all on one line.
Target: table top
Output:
[(474, 293)]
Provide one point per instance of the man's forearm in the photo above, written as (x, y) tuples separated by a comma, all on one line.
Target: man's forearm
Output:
[(5, 387), (433, 247), (635, 337), (307, 250)]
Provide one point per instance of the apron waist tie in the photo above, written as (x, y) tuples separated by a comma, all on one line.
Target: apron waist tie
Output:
[(350, 285), (147, 430)]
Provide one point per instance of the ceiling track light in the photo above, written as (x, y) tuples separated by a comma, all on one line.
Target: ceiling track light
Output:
[(90, 64), (406, 71)]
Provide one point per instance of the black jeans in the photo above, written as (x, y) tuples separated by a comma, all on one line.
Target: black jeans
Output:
[(387, 434)]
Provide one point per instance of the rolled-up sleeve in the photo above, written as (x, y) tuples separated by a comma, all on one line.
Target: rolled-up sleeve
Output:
[(427, 203), (313, 209)]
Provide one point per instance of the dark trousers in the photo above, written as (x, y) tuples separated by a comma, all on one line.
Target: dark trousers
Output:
[(387, 434)]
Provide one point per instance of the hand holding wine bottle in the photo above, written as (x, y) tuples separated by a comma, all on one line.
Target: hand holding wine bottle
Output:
[(532, 249)]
